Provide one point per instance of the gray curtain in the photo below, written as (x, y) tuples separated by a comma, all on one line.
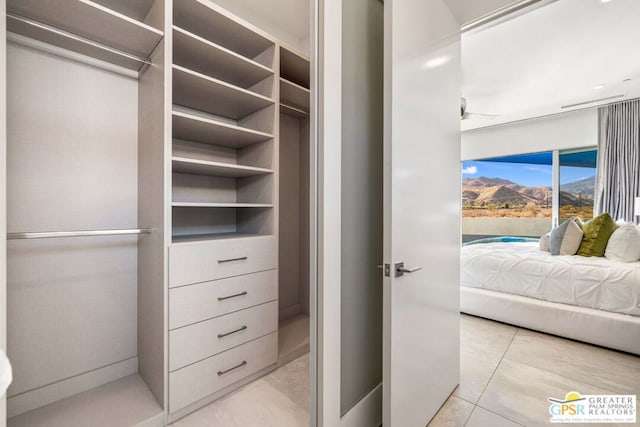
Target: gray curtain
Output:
[(618, 173)]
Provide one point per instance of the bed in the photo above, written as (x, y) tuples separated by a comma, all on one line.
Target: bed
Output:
[(594, 299)]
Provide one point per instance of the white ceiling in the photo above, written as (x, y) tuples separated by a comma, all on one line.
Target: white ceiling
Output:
[(532, 65), (287, 20)]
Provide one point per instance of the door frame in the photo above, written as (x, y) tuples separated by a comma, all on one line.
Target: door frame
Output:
[(3, 197), (325, 209), (326, 138)]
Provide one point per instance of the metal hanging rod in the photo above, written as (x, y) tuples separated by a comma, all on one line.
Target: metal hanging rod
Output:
[(78, 38), (77, 233)]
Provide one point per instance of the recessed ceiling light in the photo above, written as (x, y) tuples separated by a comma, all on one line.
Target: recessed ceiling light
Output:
[(600, 86), (605, 1)]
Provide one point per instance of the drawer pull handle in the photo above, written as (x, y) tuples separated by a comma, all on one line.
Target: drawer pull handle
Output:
[(233, 296), (242, 258), (235, 331), (226, 371)]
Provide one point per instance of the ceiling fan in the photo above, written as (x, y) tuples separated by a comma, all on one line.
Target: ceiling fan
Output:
[(465, 115)]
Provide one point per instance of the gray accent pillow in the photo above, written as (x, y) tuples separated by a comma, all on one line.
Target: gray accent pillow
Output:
[(566, 238)]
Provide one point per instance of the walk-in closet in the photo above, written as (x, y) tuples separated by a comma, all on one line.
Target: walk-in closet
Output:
[(158, 207)]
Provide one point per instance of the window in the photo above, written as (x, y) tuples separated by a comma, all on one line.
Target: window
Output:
[(577, 183), (513, 195), (507, 196)]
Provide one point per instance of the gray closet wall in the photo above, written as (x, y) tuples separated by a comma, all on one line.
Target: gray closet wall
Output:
[(72, 165), (362, 106), (294, 216)]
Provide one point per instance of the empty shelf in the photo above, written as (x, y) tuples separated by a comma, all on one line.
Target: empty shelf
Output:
[(208, 131), (203, 56), (216, 25), (124, 402), (220, 205), (294, 95), (293, 111), (203, 167), (187, 238), (200, 92), (89, 20), (294, 67), (138, 9)]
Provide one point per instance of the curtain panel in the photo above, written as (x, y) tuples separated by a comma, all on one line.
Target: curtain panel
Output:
[(618, 172)]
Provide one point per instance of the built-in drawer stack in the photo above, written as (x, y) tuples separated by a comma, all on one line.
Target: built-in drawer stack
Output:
[(223, 315), (223, 259)]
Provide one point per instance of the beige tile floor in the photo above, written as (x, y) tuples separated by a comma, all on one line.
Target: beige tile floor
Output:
[(507, 374)]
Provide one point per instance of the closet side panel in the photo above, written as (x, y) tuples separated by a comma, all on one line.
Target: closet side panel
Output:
[(72, 165), (152, 213), (289, 218)]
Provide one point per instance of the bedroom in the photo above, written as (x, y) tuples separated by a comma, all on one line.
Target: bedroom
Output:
[(540, 91)]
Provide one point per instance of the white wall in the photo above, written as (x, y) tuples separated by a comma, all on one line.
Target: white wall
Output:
[(286, 20), (563, 131)]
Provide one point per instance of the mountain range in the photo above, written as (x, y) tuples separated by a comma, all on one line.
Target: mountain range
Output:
[(485, 191)]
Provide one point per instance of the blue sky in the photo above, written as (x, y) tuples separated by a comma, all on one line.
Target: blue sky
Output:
[(524, 174)]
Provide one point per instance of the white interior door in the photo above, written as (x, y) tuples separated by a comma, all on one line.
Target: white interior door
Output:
[(422, 210)]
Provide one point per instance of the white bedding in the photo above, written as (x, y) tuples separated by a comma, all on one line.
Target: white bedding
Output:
[(522, 269)]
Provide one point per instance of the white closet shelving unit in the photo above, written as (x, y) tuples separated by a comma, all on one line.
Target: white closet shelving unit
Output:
[(75, 329), (223, 255), (215, 294)]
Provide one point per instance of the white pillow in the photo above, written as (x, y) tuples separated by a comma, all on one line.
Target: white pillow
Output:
[(624, 244), (572, 239), (544, 242)]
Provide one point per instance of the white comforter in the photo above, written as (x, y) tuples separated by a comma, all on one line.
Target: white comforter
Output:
[(522, 269)]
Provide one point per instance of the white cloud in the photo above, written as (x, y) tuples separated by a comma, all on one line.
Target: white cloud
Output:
[(470, 170)]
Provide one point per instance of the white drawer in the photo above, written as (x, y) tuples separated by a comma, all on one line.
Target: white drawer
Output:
[(196, 342), (202, 261), (202, 301), (194, 382)]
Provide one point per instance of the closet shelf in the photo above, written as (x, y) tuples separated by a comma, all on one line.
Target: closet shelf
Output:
[(293, 111), (227, 170), (102, 405), (199, 92), (294, 95), (138, 9), (207, 131), (220, 205), (87, 20), (220, 27), (188, 238), (294, 67), (198, 54)]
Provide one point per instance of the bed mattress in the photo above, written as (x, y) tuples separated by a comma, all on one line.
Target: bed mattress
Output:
[(522, 269)]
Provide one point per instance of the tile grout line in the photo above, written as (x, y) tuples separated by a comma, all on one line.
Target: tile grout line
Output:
[(491, 378), (470, 415)]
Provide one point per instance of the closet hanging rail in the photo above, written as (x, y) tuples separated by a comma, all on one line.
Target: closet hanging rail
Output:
[(78, 38), (77, 233)]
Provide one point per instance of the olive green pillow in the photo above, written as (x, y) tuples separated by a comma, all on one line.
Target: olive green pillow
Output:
[(596, 235)]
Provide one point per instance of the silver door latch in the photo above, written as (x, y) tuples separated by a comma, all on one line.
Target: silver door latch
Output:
[(401, 269), (387, 269)]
